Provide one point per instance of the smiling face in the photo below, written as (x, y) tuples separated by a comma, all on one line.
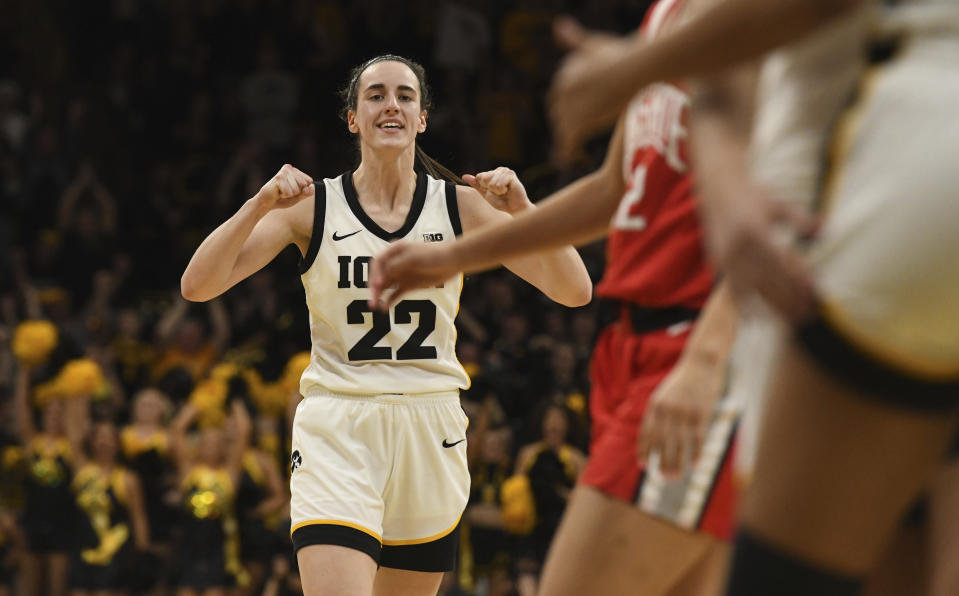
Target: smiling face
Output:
[(388, 113)]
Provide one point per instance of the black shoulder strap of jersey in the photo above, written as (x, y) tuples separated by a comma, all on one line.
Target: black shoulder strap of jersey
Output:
[(453, 208), (319, 218)]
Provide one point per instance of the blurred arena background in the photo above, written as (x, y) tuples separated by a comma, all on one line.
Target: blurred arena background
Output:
[(129, 129)]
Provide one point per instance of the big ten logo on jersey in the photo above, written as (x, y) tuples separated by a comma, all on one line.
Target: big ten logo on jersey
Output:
[(435, 237)]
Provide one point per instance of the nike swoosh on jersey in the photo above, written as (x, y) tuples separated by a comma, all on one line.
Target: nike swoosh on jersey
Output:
[(448, 444), (337, 238)]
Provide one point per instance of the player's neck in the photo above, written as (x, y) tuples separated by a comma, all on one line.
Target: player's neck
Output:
[(385, 183)]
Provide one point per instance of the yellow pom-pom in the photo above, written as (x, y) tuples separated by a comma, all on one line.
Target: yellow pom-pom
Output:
[(224, 372), (270, 443), (518, 506), (209, 398), (270, 398), (33, 341), (576, 402), (80, 378), (253, 380), (46, 392)]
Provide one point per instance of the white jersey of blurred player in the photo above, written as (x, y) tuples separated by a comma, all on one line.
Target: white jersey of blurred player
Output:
[(823, 140)]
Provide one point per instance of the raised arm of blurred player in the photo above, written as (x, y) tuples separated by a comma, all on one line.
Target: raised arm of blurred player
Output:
[(576, 214), (679, 411), (598, 79), (739, 218)]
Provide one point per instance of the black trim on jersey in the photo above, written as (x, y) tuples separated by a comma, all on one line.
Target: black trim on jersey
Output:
[(419, 199), (319, 220), (643, 319), (434, 557), (337, 535), (640, 480), (453, 208), (839, 357), (727, 453)]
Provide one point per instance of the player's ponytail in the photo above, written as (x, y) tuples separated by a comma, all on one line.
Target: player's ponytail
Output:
[(350, 97), (435, 168)]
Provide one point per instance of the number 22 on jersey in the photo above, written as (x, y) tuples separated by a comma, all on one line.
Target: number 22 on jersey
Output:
[(412, 349)]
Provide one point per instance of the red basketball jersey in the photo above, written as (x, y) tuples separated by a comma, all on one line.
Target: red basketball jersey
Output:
[(655, 248)]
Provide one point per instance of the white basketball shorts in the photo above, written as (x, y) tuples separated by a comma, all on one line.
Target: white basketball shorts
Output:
[(385, 475)]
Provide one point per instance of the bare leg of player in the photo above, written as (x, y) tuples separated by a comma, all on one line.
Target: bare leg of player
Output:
[(835, 470), (330, 570), (606, 546), (903, 568), (400, 582), (944, 532)]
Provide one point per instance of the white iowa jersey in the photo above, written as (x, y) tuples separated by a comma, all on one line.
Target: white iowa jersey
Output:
[(804, 87), (357, 351)]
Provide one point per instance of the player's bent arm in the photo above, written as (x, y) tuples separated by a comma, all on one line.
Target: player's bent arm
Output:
[(576, 214), (712, 337), (720, 36), (240, 247), (558, 272), (721, 116)]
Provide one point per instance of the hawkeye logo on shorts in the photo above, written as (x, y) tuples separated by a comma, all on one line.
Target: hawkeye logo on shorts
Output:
[(295, 461), (447, 444), (436, 237)]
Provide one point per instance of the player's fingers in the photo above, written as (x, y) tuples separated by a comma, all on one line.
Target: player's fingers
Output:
[(483, 179), (282, 188), (507, 178), (806, 224), (497, 183), (471, 180), (652, 429), (376, 283), (647, 439), (670, 453), (696, 439), (302, 175), (396, 292), (290, 186), (568, 33), (306, 183)]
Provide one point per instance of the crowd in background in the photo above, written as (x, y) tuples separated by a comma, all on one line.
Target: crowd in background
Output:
[(128, 130)]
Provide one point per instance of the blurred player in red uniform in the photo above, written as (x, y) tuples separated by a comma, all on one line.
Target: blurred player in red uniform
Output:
[(650, 367)]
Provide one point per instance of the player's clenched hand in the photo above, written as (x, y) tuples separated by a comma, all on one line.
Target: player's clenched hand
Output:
[(748, 234), (287, 188), (405, 266), (585, 96), (501, 188), (678, 414)]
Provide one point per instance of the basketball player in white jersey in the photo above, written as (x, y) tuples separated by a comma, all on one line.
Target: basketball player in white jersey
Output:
[(379, 476), (860, 400)]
